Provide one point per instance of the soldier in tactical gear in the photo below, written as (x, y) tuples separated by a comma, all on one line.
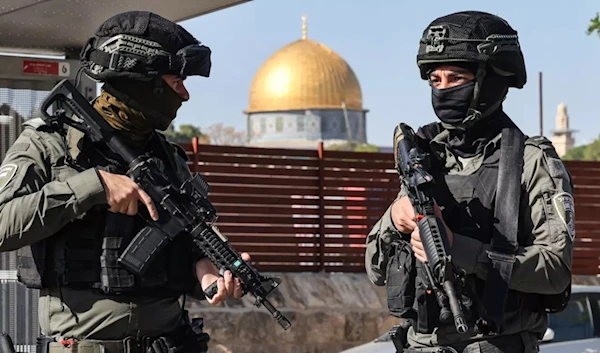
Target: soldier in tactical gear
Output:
[(470, 60), (68, 208)]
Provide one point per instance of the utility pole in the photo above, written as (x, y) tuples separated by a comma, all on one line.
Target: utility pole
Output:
[(541, 105)]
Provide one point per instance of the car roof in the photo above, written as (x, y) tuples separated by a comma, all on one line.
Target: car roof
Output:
[(579, 288)]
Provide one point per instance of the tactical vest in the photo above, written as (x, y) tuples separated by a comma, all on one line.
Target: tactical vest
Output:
[(84, 253), (467, 203)]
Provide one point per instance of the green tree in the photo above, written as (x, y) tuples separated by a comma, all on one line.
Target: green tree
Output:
[(594, 25), (589, 152), (575, 154), (184, 134), (353, 146)]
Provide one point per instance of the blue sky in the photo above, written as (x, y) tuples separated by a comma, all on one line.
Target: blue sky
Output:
[(379, 39)]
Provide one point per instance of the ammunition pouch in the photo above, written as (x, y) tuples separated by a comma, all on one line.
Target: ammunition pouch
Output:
[(400, 284), (408, 294), (428, 310)]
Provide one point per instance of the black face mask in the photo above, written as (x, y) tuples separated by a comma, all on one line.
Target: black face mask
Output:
[(157, 100), (451, 105)]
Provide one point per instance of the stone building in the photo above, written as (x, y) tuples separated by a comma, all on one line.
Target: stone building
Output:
[(305, 93)]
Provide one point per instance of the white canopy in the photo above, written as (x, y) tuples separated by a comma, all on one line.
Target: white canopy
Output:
[(53, 27)]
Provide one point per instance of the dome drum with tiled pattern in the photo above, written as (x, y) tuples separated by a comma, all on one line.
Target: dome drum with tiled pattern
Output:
[(304, 93)]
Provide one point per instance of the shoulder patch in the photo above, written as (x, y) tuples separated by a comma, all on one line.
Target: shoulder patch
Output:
[(565, 208), (556, 167), (19, 147), (35, 123), (7, 172), (539, 141)]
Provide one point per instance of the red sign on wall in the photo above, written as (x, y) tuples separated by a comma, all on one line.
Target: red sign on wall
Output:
[(37, 67)]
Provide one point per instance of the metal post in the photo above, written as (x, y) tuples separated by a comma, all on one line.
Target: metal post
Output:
[(541, 106), (321, 152), (195, 157)]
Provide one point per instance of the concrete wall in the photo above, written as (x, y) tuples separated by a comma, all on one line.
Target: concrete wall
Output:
[(328, 312)]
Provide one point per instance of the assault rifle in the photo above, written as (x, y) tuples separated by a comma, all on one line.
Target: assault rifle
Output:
[(181, 210), (441, 275)]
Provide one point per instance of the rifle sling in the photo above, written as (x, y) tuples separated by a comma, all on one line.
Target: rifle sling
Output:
[(504, 238)]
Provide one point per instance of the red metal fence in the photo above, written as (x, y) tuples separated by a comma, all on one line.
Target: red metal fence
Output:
[(310, 210), (586, 177)]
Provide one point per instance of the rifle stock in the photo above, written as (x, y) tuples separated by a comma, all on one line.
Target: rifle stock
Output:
[(181, 210), (440, 274)]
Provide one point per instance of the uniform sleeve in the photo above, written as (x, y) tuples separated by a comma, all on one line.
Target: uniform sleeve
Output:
[(543, 265), (378, 244), (32, 206)]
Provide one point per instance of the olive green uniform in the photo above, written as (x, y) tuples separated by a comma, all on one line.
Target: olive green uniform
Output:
[(37, 199), (543, 266)]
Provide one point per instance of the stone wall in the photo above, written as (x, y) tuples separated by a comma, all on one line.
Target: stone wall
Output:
[(328, 312), (586, 280)]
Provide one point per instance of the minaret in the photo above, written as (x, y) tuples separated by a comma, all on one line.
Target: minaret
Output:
[(562, 138), (303, 27)]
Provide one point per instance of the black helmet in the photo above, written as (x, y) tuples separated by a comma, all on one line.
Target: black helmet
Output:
[(474, 37), (142, 45)]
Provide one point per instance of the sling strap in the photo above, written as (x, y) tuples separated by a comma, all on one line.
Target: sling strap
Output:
[(504, 238)]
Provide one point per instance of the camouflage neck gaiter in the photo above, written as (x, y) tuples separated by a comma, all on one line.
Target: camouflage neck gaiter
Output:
[(131, 125), (155, 99)]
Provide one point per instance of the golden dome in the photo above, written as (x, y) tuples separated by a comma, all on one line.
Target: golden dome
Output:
[(304, 75)]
